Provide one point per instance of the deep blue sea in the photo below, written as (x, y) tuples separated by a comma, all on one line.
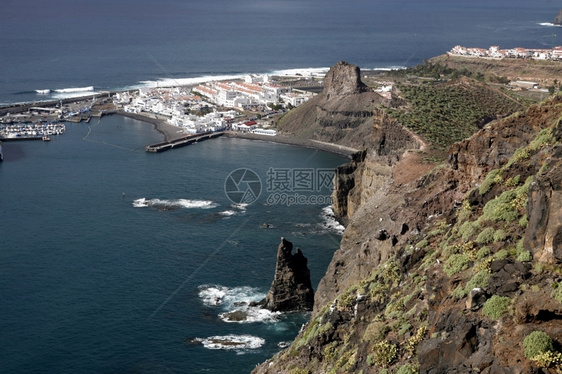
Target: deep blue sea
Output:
[(114, 44), (113, 260)]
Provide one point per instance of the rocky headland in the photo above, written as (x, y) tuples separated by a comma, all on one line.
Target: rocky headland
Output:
[(448, 264)]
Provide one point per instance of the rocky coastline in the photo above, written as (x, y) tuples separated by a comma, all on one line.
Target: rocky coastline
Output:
[(452, 267)]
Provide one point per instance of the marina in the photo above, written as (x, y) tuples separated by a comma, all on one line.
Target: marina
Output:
[(36, 131)]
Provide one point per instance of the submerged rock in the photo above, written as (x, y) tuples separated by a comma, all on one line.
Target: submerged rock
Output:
[(291, 289)]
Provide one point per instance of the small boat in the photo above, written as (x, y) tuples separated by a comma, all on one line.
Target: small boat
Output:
[(46, 138)]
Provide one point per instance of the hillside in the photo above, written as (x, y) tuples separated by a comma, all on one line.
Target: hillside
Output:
[(449, 268), (450, 272), (544, 72)]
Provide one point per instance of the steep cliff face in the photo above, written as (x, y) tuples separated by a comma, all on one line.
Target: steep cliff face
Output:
[(452, 271), (358, 181)]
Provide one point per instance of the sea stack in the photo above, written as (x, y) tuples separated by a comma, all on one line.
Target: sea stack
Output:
[(558, 19), (291, 289)]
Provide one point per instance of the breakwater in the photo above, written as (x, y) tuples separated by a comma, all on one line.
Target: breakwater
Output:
[(182, 142)]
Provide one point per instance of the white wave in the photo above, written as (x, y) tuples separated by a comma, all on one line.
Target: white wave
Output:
[(231, 342), (43, 92), (305, 72), (173, 82), (330, 222), (385, 68), (75, 89), (212, 295), (227, 213), (250, 314), (229, 297), (235, 303), (241, 207), (174, 204), (549, 24)]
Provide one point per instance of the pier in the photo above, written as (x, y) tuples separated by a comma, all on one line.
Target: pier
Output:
[(182, 142)]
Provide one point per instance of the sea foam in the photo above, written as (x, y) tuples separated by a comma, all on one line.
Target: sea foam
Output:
[(173, 204), (330, 222), (234, 303), (231, 342)]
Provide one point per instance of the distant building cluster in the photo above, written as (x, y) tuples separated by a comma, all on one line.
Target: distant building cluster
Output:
[(213, 106), (255, 92), (494, 51)]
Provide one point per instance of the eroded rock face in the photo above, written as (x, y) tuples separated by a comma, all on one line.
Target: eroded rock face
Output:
[(343, 79), (544, 234), (291, 289)]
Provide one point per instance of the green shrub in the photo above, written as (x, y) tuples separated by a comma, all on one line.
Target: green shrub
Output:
[(479, 280), (557, 294), (501, 254), (543, 137), (512, 182), (499, 235), (299, 371), (486, 236), (456, 263), (468, 229), (465, 212), (536, 343), (500, 208), (493, 177), (384, 353), (422, 243), (496, 306), (407, 369), (524, 256), (523, 221), (548, 358), (376, 332), (483, 252)]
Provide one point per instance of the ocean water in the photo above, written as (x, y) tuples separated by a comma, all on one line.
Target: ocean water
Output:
[(58, 47), (113, 260)]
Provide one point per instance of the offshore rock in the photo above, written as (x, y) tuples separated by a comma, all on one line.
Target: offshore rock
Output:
[(291, 289), (558, 19)]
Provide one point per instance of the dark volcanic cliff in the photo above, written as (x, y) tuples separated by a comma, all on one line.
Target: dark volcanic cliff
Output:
[(457, 269)]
